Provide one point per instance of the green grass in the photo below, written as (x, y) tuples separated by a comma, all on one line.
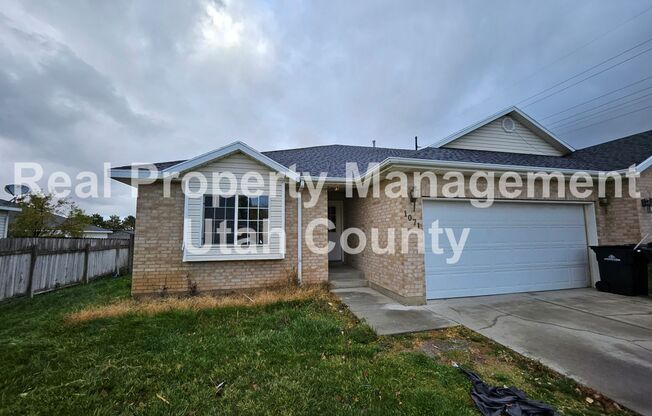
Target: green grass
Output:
[(302, 357)]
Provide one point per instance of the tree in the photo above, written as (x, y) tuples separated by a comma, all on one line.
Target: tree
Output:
[(97, 220), (44, 216), (113, 223), (129, 223)]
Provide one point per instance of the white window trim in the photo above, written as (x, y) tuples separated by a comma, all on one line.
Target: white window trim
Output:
[(236, 229), (278, 254)]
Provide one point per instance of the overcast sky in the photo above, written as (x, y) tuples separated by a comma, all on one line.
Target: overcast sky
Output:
[(82, 83)]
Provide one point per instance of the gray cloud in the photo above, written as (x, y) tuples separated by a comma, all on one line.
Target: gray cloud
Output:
[(82, 83)]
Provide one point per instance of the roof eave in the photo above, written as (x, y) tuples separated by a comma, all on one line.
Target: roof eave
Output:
[(431, 163)]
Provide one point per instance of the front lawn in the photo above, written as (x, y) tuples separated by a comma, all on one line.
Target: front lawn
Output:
[(304, 356)]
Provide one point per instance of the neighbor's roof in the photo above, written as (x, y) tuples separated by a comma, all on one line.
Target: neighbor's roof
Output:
[(610, 156), (8, 205), (58, 219)]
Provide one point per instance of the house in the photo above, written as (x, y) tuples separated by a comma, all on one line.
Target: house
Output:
[(8, 210), (530, 242)]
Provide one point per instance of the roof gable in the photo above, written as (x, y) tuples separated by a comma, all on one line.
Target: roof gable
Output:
[(525, 136), (228, 150)]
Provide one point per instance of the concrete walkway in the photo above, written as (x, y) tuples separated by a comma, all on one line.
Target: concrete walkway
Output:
[(388, 317)]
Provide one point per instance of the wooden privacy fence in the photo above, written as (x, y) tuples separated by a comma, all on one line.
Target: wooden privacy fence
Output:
[(35, 265)]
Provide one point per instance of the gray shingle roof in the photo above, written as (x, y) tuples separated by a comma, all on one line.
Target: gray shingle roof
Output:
[(158, 165), (333, 158), (613, 155)]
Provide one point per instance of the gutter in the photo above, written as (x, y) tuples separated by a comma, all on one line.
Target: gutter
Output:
[(299, 234)]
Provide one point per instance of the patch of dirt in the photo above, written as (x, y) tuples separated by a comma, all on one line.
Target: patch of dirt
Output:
[(436, 347)]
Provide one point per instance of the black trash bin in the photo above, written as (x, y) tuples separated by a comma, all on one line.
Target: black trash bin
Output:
[(623, 270)]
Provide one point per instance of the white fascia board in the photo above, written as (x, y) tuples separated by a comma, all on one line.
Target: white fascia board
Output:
[(544, 130), (13, 209), (226, 151), (472, 127), (474, 166), (644, 165), (134, 174), (89, 232), (499, 114)]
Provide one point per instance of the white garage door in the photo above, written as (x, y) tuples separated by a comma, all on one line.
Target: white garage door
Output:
[(511, 247)]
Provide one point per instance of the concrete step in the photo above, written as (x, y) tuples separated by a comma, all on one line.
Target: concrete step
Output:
[(343, 276), (348, 283)]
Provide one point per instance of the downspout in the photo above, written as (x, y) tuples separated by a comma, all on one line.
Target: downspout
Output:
[(299, 234)]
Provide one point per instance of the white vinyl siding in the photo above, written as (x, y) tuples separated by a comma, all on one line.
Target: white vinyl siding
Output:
[(492, 137), (3, 224), (238, 164)]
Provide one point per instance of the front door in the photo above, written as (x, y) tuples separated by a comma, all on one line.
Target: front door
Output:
[(335, 232)]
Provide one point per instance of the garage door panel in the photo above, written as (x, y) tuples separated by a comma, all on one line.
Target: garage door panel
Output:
[(501, 282), (512, 247), (509, 256)]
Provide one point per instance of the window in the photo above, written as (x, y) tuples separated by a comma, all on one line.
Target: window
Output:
[(234, 220)]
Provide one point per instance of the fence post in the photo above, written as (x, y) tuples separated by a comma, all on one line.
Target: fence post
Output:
[(117, 260), (87, 253), (32, 267)]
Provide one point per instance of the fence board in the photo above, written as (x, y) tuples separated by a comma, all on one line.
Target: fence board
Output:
[(59, 262)]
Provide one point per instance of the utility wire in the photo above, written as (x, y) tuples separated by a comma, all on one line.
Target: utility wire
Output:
[(585, 71), (608, 119), (594, 99), (601, 105), (572, 52), (616, 107)]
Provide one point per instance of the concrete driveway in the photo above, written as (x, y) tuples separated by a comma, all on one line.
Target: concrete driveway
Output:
[(602, 340)]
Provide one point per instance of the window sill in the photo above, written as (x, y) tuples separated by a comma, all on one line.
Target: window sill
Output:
[(193, 258)]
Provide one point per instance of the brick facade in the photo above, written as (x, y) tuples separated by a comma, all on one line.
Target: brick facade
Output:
[(158, 255), (399, 274), (158, 251), (621, 220)]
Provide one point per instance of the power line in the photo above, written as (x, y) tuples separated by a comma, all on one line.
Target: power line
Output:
[(608, 119), (601, 105), (615, 28), (616, 107), (585, 71), (591, 41), (596, 98)]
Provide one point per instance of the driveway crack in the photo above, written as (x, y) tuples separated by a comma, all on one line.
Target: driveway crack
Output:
[(591, 313), (504, 314)]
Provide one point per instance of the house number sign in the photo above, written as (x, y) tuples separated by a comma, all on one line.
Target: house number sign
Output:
[(412, 218)]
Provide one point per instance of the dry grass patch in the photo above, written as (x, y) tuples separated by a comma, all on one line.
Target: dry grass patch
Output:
[(153, 307)]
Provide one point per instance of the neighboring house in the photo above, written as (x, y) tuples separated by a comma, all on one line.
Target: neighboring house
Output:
[(8, 211), (527, 244), (90, 231)]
